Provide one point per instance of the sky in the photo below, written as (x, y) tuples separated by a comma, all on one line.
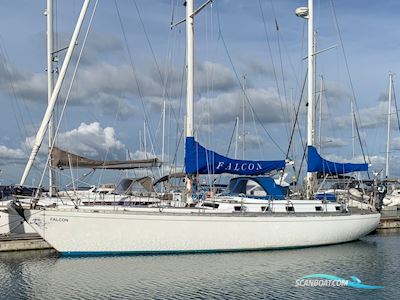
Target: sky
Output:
[(249, 57)]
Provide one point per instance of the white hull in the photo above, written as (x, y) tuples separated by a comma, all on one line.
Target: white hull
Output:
[(84, 232), (392, 199)]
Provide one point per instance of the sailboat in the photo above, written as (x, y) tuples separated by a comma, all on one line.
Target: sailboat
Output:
[(254, 214), (392, 197)]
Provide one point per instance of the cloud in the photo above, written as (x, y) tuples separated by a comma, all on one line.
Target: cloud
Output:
[(395, 143), (121, 82), (9, 155), (255, 67), (208, 77), (251, 141), (110, 86), (113, 88), (335, 93), (92, 140), (25, 84), (378, 163), (214, 76), (98, 47), (371, 117), (226, 106), (340, 159), (113, 105), (331, 142), (383, 97), (141, 155)]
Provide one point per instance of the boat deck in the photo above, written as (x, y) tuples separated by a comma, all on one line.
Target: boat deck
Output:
[(206, 212)]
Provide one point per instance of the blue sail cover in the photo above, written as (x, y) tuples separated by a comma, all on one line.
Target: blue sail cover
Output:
[(317, 164), (199, 160)]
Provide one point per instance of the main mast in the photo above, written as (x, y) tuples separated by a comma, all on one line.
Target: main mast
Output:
[(310, 93), (307, 13), (50, 84), (189, 78), (189, 67)]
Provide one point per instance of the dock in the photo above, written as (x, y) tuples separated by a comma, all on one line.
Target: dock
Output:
[(390, 218), (25, 241)]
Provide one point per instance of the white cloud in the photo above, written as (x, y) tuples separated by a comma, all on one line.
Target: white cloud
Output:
[(395, 143), (213, 76), (226, 106), (255, 67), (371, 117), (335, 93), (92, 140), (23, 83), (113, 89), (141, 155), (340, 159), (9, 155), (6, 152), (251, 141)]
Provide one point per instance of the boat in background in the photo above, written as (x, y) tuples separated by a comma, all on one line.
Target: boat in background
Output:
[(392, 198)]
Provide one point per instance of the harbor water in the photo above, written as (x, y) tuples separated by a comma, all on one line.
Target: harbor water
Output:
[(375, 260)]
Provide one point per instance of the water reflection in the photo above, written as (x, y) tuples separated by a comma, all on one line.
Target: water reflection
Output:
[(18, 269), (246, 275)]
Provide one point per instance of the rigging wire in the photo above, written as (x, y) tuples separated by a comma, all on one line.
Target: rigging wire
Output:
[(176, 112), (395, 105), (241, 86), (365, 156), (16, 107), (295, 122), (248, 100), (134, 73), (149, 44), (163, 78), (272, 58), (14, 104), (278, 36), (231, 139), (69, 90)]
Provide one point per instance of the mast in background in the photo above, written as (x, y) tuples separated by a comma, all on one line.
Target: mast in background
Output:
[(243, 119), (388, 125), (320, 113), (237, 136), (163, 140)]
